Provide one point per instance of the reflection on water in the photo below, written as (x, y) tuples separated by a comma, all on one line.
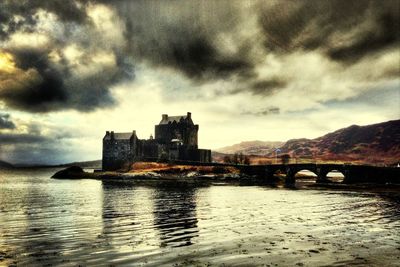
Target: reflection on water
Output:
[(126, 215), (175, 215), (40, 217), (67, 223)]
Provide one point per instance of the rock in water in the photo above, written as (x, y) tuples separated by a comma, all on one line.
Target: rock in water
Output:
[(73, 172)]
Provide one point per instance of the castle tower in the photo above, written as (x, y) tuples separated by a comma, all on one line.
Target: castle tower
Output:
[(177, 128)]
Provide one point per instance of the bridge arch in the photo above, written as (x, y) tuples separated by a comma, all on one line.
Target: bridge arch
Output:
[(332, 173), (311, 173), (336, 176), (292, 171)]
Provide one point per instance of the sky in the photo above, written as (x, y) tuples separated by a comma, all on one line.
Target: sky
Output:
[(247, 70)]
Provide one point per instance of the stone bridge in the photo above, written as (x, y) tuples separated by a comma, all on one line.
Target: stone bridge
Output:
[(351, 173)]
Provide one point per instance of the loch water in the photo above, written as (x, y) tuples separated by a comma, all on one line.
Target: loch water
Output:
[(48, 222)]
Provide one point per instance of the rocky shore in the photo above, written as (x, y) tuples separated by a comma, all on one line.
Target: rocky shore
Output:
[(187, 174)]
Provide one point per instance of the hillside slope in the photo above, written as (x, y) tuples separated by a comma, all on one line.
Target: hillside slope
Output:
[(95, 164), (251, 148), (5, 165), (376, 143), (372, 143)]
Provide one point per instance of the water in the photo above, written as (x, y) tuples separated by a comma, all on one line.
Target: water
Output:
[(47, 222)]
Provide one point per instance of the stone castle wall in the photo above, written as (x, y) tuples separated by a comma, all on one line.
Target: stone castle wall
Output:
[(116, 153), (173, 141), (186, 132)]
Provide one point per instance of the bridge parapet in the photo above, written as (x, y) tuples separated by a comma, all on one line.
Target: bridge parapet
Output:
[(351, 173), (371, 174)]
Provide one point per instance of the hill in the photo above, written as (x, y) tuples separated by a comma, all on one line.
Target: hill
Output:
[(5, 165), (376, 143), (95, 164), (251, 147)]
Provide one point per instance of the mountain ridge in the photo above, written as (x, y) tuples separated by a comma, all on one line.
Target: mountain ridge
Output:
[(374, 143)]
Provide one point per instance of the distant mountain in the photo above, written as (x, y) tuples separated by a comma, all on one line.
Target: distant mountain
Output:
[(251, 147), (372, 143), (5, 165), (95, 164), (376, 143)]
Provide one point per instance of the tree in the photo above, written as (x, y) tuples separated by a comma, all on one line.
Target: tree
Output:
[(246, 160), (285, 158), (227, 159), (235, 158), (241, 157)]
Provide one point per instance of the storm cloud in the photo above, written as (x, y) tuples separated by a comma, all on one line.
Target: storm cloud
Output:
[(35, 142), (343, 30), (21, 15), (192, 37), (232, 39), (22, 139), (59, 57), (31, 150), (70, 54)]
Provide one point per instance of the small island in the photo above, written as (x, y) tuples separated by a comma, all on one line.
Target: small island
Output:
[(156, 171)]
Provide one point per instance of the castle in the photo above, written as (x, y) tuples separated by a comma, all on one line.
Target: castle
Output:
[(175, 139)]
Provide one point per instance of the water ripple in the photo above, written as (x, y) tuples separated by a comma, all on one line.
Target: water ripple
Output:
[(64, 223)]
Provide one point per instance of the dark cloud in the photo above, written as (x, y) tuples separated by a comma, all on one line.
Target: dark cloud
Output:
[(204, 40), (344, 30), (39, 145), (195, 37), (263, 112), (35, 135), (45, 79), (165, 41), (386, 34), (55, 88), (32, 153), (185, 36), (267, 87), (22, 139), (5, 122), (199, 59), (67, 11), (260, 87), (39, 95)]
